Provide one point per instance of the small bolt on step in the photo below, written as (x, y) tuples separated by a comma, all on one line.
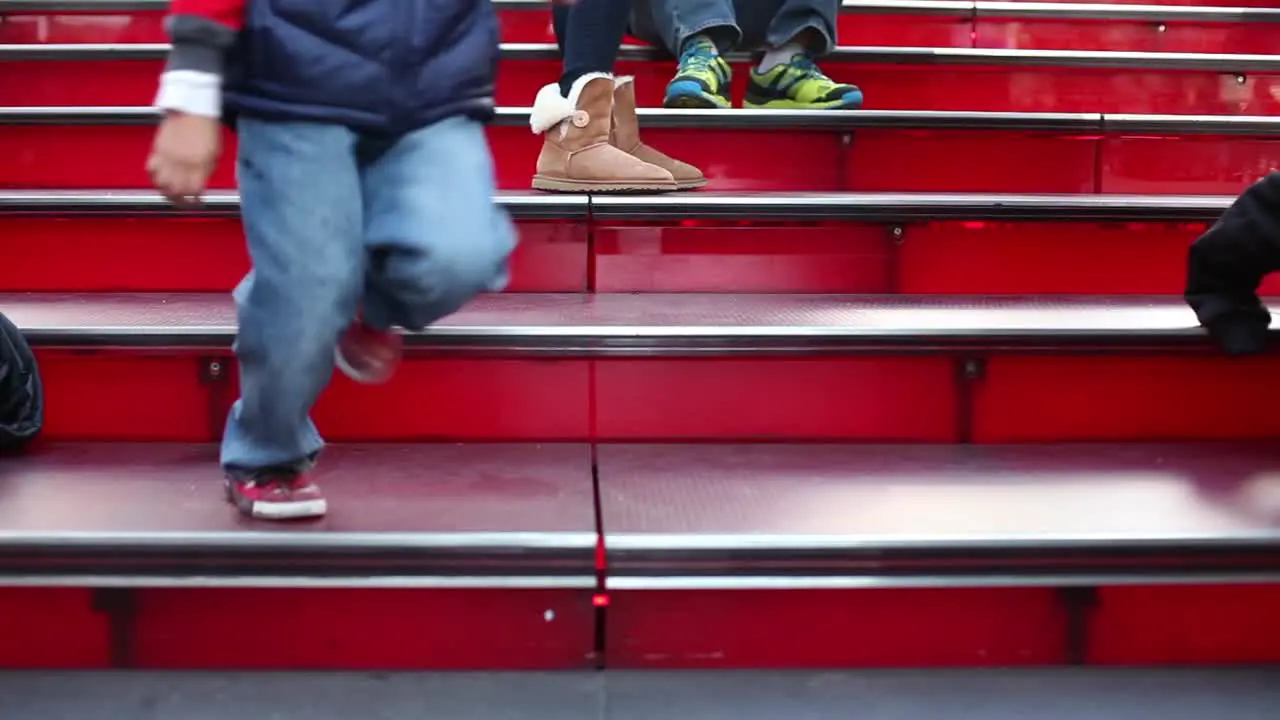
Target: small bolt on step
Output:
[(973, 368)]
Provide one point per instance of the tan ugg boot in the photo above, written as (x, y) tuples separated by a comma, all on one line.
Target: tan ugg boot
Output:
[(626, 137), (576, 155)]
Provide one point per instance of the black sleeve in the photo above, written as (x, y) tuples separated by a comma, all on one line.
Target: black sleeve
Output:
[(1226, 265)]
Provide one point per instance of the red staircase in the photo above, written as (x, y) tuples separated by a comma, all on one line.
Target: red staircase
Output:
[(911, 386)]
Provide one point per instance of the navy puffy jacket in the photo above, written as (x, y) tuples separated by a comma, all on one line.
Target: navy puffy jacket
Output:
[(381, 66), (376, 65)]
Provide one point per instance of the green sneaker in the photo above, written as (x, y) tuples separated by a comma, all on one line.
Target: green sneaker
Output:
[(702, 80), (799, 85)]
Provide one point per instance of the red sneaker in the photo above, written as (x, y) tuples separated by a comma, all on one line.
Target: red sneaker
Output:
[(277, 497), (366, 355)]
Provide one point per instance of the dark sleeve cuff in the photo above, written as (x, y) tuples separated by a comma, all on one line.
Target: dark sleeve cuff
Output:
[(197, 57)]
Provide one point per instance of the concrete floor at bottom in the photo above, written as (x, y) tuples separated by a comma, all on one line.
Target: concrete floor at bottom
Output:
[(1056, 694)]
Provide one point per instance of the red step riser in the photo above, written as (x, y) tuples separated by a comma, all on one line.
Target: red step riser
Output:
[(148, 27), (507, 629), (518, 26), (887, 87), (854, 29), (53, 157), (1129, 36), (1021, 398), (930, 258), (938, 628), (113, 156), (193, 254), (328, 629)]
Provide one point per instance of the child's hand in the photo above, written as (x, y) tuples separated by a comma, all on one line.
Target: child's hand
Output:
[(183, 156)]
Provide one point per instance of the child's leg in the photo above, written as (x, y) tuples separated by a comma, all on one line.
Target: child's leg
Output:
[(589, 33), (434, 235), (301, 205), (575, 115)]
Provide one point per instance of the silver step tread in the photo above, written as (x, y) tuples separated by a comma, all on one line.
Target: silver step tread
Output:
[(1052, 694), (414, 515), (689, 516), (845, 515), (648, 323), (735, 206)]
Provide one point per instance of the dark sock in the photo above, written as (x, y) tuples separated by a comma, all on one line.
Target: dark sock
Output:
[(589, 33)]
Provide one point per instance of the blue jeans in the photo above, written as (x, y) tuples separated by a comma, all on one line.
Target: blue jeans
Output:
[(745, 24), (403, 230)]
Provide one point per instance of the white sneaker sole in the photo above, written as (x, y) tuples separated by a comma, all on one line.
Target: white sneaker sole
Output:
[(363, 378), (290, 510), (298, 510)]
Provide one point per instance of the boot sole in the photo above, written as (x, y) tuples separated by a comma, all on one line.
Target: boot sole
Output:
[(695, 102), (617, 186), (691, 184)]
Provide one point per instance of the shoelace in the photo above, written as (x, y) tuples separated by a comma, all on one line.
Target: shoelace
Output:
[(698, 57), (275, 482), (810, 69)]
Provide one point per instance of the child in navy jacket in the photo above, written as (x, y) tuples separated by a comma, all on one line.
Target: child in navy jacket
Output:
[(366, 190)]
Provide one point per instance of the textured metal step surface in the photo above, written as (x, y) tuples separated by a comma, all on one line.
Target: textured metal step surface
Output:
[(706, 205), (647, 323), (423, 515), (795, 516), (674, 516), (1069, 694)]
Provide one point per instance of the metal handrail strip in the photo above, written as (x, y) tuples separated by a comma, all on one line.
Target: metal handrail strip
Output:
[(711, 205), (806, 120)]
